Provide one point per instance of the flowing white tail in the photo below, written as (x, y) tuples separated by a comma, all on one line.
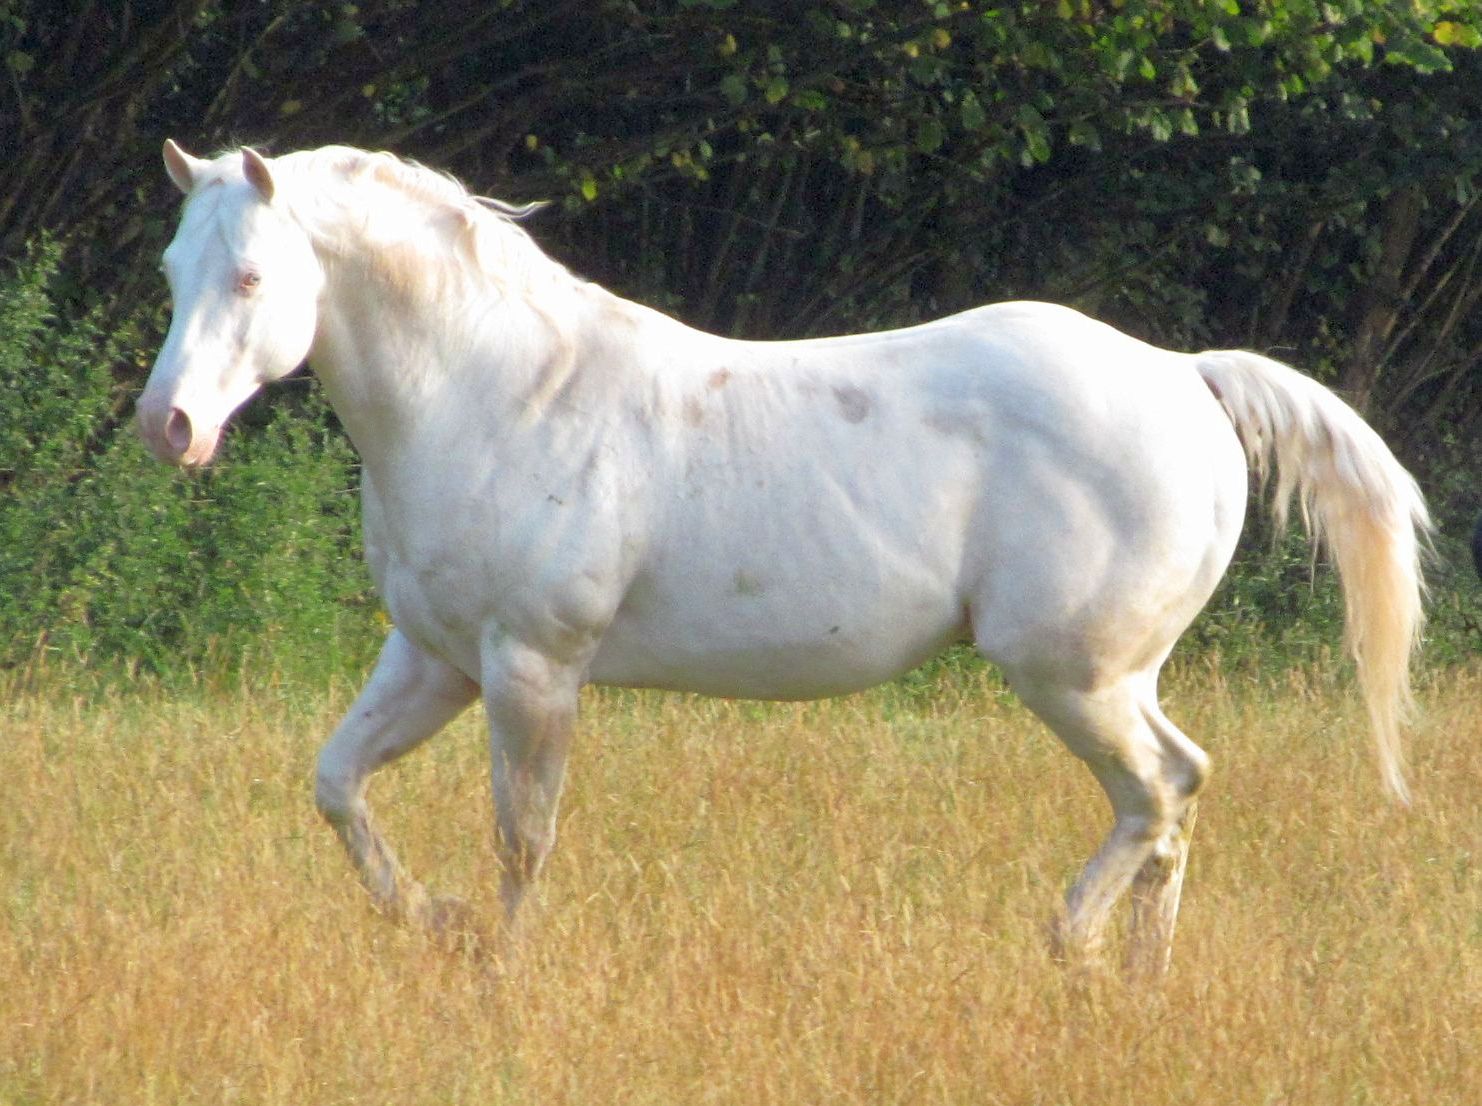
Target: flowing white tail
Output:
[(1358, 501)]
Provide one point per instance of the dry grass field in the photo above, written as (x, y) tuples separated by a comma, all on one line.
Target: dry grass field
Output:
[(840, 902)]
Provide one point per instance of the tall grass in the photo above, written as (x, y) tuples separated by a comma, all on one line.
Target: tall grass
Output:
[(840, 902)]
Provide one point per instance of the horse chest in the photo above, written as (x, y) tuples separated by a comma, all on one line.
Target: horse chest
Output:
[(429, 606), (454, 573)]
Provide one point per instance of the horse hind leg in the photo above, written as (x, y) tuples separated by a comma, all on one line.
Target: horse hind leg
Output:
[(409, 697), (1158, 885), (1150, 773)]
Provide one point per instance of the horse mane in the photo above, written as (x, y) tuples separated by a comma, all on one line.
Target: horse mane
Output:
[(343, 196)]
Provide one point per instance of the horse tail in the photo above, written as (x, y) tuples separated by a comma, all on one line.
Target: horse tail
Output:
[(1358, 502)]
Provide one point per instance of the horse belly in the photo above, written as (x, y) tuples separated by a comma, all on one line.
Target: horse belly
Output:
[(778, 635)]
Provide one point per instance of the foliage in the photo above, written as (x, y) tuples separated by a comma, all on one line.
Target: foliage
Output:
[(776, 168), (110, 556), (1294, 176), (1276, 173)]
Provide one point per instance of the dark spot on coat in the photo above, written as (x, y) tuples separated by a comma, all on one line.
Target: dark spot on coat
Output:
[(854, 404), (956, 425), (694, 414), (719, 378), (747, 584)]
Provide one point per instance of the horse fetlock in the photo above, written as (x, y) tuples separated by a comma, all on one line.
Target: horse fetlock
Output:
[(525, 856), (1162, 863)]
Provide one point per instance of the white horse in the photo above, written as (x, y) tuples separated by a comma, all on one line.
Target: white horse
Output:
[(562, 487)]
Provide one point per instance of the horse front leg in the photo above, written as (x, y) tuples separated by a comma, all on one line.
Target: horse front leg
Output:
[(411, 695), (531, 701)]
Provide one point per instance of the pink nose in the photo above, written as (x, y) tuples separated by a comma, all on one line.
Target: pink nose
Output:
[(178, 431), (174, 437)]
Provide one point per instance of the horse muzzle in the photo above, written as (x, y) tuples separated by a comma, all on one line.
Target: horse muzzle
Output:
[(174, 437)]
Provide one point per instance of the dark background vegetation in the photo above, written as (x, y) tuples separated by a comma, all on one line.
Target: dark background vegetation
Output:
[(1290, 176)]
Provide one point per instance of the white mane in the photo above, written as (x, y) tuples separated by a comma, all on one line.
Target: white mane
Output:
[(428, 232)]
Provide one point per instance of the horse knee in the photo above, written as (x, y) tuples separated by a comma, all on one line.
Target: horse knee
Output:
[(336, 793)]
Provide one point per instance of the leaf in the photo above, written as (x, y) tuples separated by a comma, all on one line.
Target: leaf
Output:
[(1257, 30), (973, 116), (930, 134), (733, 88), (776, 90), (1036, 134), (1083, 133), (1450, 33), (346, 31), (1421, 56), (1029, 118), (588, 187)]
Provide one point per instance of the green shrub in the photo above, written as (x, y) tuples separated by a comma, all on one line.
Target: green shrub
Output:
[(111, 559)]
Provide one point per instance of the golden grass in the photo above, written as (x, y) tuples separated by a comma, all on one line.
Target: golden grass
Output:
[(826, 903)]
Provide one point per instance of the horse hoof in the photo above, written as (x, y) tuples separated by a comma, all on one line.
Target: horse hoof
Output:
[(454, 923), (1072, 952)]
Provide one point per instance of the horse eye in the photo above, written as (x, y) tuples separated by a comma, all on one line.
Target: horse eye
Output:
[(249, 280)]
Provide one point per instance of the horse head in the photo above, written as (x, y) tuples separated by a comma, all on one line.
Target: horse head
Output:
[(245, 284)]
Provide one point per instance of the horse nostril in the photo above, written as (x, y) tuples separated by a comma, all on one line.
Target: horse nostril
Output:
[(178, 431)]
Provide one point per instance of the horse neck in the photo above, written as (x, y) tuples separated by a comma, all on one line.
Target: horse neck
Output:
[(395, 359)]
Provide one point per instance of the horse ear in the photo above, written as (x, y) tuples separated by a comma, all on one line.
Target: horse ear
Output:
[(184, 170), (255, 168)]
